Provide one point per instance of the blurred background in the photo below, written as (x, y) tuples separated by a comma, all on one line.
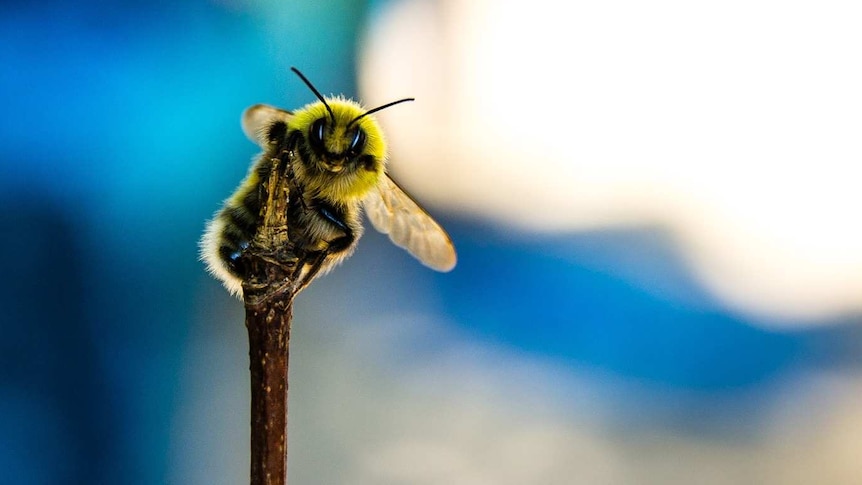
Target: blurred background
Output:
[(656, 209)]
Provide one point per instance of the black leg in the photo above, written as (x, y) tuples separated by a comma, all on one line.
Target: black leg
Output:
[(314, 263)]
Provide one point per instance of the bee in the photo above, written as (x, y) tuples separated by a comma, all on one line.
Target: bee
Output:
[(337, 166)]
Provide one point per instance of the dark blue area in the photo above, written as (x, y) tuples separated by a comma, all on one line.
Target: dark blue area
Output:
[(546, 296), (58, 404)]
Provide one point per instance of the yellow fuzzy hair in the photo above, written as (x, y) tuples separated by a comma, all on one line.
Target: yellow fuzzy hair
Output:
[(344, 188)]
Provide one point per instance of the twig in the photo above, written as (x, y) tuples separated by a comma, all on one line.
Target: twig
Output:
[(268, 290), (269, 340)]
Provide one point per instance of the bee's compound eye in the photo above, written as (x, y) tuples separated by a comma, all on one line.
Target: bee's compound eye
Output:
[(358, 143), (318, 128)]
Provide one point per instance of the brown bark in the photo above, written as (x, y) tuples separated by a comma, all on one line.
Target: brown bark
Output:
[(269, 340)]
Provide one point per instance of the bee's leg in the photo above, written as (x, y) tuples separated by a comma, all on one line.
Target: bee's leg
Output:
[(318, 258), (315, 260), (314, 264)]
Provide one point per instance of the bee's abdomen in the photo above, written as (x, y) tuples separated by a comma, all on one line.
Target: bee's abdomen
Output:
[(230, 232), (240, 224)]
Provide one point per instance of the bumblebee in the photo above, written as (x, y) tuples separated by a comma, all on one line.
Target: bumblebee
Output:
[(338, 168)]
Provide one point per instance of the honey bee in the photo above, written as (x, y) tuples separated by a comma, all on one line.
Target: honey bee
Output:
[(338, 165)]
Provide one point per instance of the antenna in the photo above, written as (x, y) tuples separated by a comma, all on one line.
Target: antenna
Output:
[(317, 93)]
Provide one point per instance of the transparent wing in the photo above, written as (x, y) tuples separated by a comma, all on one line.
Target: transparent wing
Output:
[(395, 213), (257, 120)]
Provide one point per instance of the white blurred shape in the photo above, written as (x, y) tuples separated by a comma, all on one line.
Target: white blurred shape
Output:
[(735, 124)]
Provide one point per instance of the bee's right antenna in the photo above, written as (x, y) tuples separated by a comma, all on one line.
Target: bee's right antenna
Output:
[(354, 120), (315, 91)]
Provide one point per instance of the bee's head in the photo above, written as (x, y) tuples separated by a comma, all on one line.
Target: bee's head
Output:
[(343, 150), (340, 139)]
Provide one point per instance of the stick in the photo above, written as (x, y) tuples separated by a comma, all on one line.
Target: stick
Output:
[(269, 340), (268, 291)]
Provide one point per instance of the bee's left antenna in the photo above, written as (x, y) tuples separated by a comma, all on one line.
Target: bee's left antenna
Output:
[(315, 91)]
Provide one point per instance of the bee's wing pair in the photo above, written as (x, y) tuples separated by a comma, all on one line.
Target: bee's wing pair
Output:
[(391, 210)]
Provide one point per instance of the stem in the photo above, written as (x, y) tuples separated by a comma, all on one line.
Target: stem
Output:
[(268, 290), (269, 344)]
